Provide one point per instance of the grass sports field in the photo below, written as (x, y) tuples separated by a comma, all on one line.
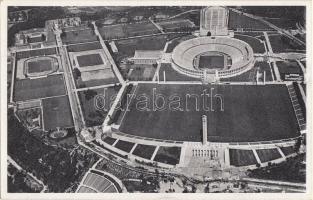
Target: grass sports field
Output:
[(89, 60), (251, 113), (50, 86), (266, 155), (127, 30), (211, 62), (174, 24), (79, 36), (241, 21), (241, 157), (57, 113), (36, 52), (281, 43), (39, 66)]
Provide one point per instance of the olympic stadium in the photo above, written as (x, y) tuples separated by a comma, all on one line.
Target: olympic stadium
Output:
[(245, 125), (236, 56)]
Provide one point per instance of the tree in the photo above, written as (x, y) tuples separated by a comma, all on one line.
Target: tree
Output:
[(43, 37), (89, 94), (63, 34), (76, 73)]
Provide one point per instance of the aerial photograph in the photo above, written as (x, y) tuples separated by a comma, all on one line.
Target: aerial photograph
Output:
[(156, 99)]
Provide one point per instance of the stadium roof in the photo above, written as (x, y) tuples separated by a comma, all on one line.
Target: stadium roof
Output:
[(143, 54)]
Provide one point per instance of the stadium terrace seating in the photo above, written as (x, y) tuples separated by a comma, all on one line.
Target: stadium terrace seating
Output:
[(84, 189), (98, 182)]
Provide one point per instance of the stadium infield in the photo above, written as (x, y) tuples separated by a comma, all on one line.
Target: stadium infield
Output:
[(251, 113), (50, 86), (39, 66)]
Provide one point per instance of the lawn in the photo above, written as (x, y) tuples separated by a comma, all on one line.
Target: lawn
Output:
[(124, 145), (37, 52), (84, 47), (50, 86), (80, 36), (170, 25), (57, 113), (109, 140), (266, 155), (282, 43), (127, 30), (89, 60), (288, 150), (240, 157), (168, 155), (251, 113), (172, 75), (238, 21), (141, 72), (248, 76), (144, 151), (288, 67)]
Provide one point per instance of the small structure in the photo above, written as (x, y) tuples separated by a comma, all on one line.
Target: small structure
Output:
[(146, 57), (87, 135), (113, 47)]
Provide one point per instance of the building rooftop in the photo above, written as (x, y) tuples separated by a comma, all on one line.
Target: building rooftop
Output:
[(143, 54)]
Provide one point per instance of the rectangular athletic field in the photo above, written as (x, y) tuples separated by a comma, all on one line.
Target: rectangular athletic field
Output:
[(127, 30), (39, 66), (50, 86), (57, 113), (211, 61), (89, 60), (175, 24), (250, 113), (79, 36)]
